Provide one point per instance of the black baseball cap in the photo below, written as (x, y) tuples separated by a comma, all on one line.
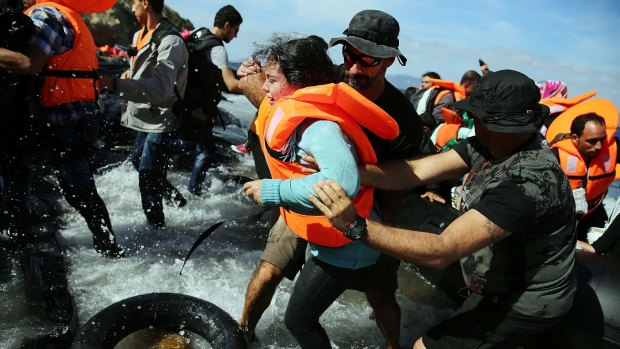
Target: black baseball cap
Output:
[(506, 101), (374, 33)]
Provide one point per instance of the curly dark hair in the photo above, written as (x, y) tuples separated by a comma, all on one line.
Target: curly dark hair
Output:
[(303, 61)]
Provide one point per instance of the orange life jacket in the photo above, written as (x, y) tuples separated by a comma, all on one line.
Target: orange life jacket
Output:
[(602, 170), (600, 106), (339, 103), (84, 6), (449, 129), (596, 177), (72, 75), (449, 86), (560, 104)]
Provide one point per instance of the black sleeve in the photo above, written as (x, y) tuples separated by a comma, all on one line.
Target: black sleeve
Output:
[(508, 207), (462, 149)]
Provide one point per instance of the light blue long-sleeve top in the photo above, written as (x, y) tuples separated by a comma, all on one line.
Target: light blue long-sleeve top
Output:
[(335, 155)]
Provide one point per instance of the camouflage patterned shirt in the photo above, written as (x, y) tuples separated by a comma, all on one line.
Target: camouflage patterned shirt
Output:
[(528, 195)]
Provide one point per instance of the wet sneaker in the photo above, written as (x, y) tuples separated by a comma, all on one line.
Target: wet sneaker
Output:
[(240, 148)]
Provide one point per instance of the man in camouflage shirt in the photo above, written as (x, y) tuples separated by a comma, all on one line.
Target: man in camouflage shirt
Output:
[(515, 237)]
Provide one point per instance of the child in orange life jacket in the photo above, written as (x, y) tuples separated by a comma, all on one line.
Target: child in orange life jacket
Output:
[(324, 122)]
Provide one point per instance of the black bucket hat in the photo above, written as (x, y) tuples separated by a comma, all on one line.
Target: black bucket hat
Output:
[(506, 101), (374, 33)]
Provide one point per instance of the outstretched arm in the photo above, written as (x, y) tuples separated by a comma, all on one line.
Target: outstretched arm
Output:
[(400, 174), (465, 235), (31, 62), (251, 81)]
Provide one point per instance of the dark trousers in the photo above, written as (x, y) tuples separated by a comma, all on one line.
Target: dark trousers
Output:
[(317, 287), (71, 151)]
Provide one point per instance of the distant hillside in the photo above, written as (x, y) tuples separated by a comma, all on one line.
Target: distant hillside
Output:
[(402, 81), (119, 24)]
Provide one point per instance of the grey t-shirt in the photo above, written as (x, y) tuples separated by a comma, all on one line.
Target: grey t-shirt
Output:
[(528, 195), (218, 56)]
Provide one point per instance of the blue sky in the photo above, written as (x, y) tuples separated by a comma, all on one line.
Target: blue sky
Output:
[(570, 40)]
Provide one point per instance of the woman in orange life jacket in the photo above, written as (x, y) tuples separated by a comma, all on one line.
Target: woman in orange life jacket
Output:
[(324, 122)]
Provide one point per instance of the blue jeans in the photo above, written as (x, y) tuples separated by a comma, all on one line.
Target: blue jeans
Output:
[(204, 158), (150, 157), (317, 287), (71, 151)]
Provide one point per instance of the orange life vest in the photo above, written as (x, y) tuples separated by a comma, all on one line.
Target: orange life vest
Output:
[(449, 86), (339, 103), (449, 129), (596, 177), (600, 106), (72, 75), (84, 6), (560, 104), (601, 172)]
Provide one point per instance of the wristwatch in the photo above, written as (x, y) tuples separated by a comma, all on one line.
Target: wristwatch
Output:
[(357, 229)]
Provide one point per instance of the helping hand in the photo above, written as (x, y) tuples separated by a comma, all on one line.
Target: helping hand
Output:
[(249, 66), (252, 190), (335, 204)]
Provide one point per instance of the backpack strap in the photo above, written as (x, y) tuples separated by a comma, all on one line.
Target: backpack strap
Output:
[(202, 39), (164, 29)]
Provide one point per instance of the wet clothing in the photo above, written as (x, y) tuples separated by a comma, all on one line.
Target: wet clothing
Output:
[(149, 157), (290, 133), (157, 69), (54, 35), (205, 149), (72, 129), (70, 76), (319, 284), (531, 273), (284, 249), (19, 137), (334, 154), (324, 122)]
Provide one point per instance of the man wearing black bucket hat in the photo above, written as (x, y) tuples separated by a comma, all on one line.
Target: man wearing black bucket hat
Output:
[(370, 47), (515, 238)]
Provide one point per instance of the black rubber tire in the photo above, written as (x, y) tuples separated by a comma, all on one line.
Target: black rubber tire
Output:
[(164, 311)]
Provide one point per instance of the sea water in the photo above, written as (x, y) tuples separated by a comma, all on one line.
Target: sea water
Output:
[(218, 270)]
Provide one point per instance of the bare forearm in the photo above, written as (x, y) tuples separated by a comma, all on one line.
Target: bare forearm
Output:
[(251, 86), (467, 234), (413, 246), (393, 175), (401, 174), (14, 62)]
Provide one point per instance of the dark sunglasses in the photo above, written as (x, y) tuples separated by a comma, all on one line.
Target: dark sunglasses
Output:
[(362, 60)]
